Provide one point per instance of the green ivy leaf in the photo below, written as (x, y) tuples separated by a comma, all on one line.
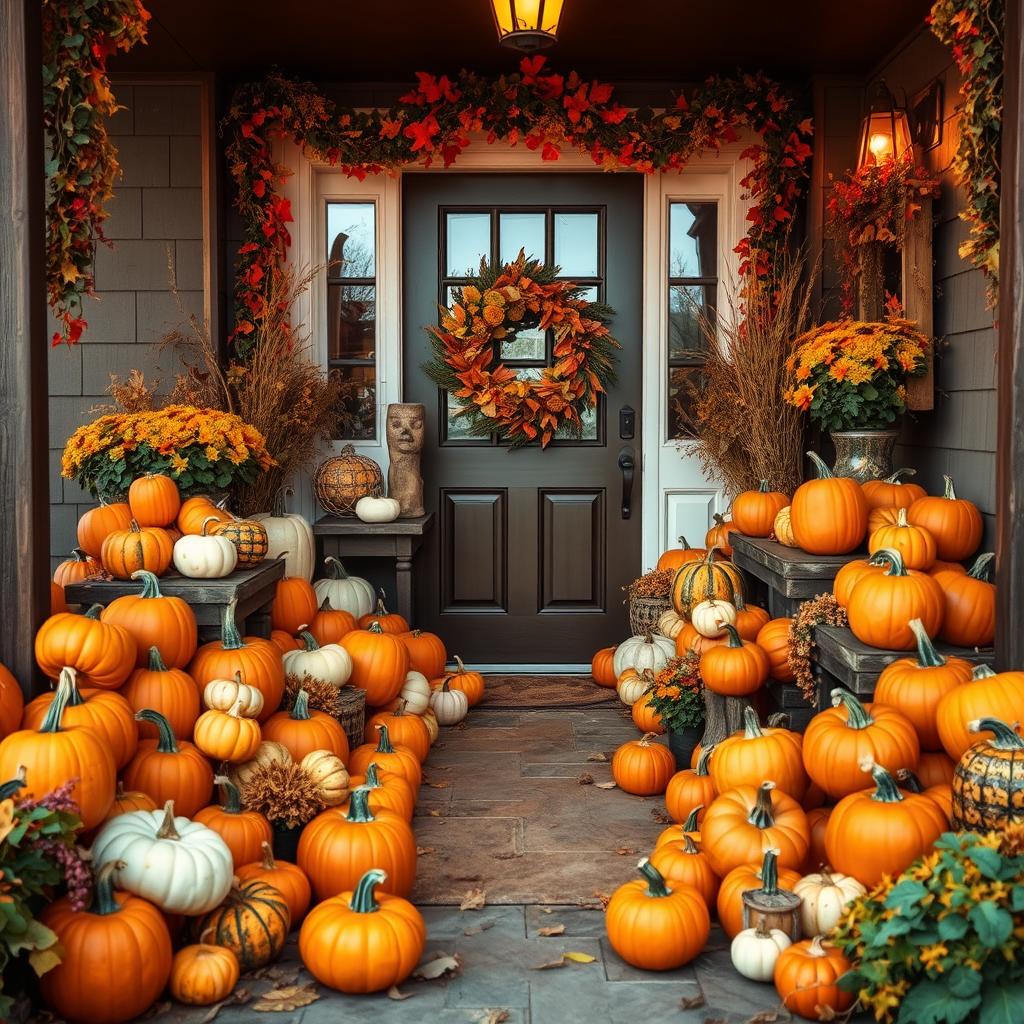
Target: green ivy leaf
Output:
[(993, 924), (1003, 1004), (953, 927), (988, 861), (906, 897), (929, 1002)]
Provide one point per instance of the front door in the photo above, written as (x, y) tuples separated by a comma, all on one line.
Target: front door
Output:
[(530, 548)]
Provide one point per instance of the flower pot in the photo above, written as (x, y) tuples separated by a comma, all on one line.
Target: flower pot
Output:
[(864, 454), (286, 842), (683, 743)]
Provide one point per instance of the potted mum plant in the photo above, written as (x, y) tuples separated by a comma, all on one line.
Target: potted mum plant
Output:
[(850, 377), (678, 699)]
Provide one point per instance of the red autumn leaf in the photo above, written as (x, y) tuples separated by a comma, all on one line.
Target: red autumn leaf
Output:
[(600, 92), (614, 114), (259, 188), (421, 132), (549, 152), (530, 67), (576, 104)]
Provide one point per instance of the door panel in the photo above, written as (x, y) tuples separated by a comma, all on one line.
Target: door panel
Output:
[(531, 546)]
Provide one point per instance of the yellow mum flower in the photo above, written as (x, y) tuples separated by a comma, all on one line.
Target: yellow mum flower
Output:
[(470, 293), (178, 464)]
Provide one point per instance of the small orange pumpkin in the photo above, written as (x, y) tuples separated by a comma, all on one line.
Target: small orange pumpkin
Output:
[(469, 682), (690, 788), (969, 619), (718, 535), (754, 512), (98, 523), (125, 552), (389, 622), (829, 514), (673, 558), (154, 500), (736, 668), (773, 639), (301, 730), (642, 767), (245, 832), (914, 543), (955, 523), (892, 492), (806, 978), (289, 880), (601, 668)]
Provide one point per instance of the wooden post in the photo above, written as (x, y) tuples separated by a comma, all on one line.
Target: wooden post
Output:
[(917, 299), (24, 501), (1010, 383)]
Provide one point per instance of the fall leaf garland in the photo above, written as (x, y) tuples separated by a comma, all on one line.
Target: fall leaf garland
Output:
[(78, 37)]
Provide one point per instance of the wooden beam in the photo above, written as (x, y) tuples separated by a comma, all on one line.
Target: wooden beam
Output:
[(24, 497), (1010, 382), (918, 292)]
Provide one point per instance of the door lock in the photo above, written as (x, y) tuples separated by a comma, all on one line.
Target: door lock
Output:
[(627, 423)]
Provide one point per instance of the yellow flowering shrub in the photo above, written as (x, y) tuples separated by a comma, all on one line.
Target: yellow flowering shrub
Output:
[(202, 449), (849, 374)]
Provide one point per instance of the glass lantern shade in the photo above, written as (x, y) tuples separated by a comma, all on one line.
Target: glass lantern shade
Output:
[(527, 25), (884, 130)]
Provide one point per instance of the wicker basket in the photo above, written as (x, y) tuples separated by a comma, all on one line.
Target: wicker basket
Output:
[(644, 613), (340, 482), (352, 715)]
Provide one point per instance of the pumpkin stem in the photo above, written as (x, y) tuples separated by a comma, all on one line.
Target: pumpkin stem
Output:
[(363, 901), (948, 491), (308, 639), (230, 638), (824, 473), (79, 555), (232, 801), (682, 542), (770, 872), (103, 902), (817, 947), (374, 627), (886, 790), (11, 786), (94, 611), (689, 846), (206, 522), (901, 518), (150, 584), (76, 699), (927, 656), (300, 709), (981, 672), (156, 662), (400, 709), (751, 724), (778, 720), (359, 806), (894, 476), (278, 506), (692, 824), (167, 829), (761, 815), (703, 759), (381, 607), (656, 886), (166, 742), (61, 699), (891, 559), (910, 781), (719, 519), (1004, 737), (857, 716), (384, 743), (372, 776), (460, 666), (268, 863), (762, 487), (734, 638), (645, 740), (982, 566), (335, 568), (325, 604)]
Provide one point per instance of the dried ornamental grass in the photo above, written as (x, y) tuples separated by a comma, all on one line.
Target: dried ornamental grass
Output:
[(321, 696), (656, 583), (285, 794), (822, 610)]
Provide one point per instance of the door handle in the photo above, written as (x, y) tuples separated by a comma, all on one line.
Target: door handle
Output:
[(627, 464)]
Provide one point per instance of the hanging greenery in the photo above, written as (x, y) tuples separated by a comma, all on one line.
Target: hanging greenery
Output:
[(543, 110), (974, 31), (78, 37)]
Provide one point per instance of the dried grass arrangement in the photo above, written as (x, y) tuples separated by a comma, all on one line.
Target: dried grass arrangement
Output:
[(745, 432), (653, 583), (285, 794), (321, 696)]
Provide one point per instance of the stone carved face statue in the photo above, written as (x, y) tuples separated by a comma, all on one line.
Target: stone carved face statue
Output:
[(405, 428)]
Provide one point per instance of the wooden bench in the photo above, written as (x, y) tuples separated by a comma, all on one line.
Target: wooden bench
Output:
[(253, 588)]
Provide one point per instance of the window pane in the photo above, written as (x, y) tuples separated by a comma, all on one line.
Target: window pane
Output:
[(457, 427), (576, 244), (688, 304), (527, 344), (521, 231), (358, 402), (468, 237), (589, 294), (693, 240), (351, 240), (681, 381), (351, 321), (589, 433)]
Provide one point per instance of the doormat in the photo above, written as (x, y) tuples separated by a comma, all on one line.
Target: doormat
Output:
[(504, 691)]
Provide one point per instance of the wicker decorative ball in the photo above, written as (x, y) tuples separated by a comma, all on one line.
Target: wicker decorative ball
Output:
[(340, 482)]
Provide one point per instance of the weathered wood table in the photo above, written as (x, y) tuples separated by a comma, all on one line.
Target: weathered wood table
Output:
[(252, 587), (789, 576), (345, 536)]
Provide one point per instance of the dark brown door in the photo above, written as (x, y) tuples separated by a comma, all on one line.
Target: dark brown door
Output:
[(530, 547)]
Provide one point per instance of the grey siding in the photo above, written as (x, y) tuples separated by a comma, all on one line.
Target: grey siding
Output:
[(155, 217)]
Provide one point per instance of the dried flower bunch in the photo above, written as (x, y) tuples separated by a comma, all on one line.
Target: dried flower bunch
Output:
[(822, 610), (656, 583), (285, 794), (321, 696)]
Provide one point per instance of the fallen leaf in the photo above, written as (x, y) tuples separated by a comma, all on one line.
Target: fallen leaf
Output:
[(598, 756), (661, 816), (436, 968), (604, 898), (553, 929), (211, 1014), (438, 785), (771, 1016), (287, 998), (605, 785), (584, 779), (398, 996), (483, 926), (580, 958), (422, 851), (691, 1002), (546, 910), (625, 851), (560, 962), (493, 1017), (435, 813), (237, 998), (474, 899), (825, 1013)]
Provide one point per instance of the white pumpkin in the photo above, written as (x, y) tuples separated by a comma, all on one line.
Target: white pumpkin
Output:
[(330, 663), (378, 510), (328, 772), (632, 688), (670, 623), (202, 556), (351, 594), (825, 894), (651, 651), (755, 951), (415, 692), (179, 865), (266, 752), (711, 617), (430, 721), (290, 535), (223, 694), (449, 706)]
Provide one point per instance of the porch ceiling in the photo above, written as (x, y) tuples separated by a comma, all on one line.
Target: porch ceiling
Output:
[(644, 40)]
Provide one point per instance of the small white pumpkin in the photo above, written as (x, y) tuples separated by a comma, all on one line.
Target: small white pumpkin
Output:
[(350, 594), (289, 535), (328, 772), (651, 651), (449, 706), (203, 556), (179, 865), (378, 510), (416, 692), (223, 694), (430, 721), (330, 663), (825, 894), (632, 688), (755, 951), (711, 617), (670, 623), (266, 752)]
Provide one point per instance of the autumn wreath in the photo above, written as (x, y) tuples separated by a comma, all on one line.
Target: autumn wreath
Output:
[(493, 307)]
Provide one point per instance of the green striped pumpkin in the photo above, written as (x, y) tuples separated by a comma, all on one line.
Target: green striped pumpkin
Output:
[(704, 580), (253, 922), (988, 783)]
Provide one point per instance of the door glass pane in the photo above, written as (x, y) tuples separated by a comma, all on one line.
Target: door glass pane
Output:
[(351, 240), (521, 231), (589, 294), (682, 380), (351, 321), (468, 238), (358, 401), (589, 418), (457, 428), (688, 304), (576, 244), (693, 240), (527, 344)]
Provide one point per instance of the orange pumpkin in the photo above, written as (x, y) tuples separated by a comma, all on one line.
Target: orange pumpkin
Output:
[(914, 543), (302, 731), (154, 500), (690, 788), (969, 619), (913, 686), (645, 718), (245, 832), (601, 668), (203, 974), (329, 624), (754, 754), (849, 575), (125, 552), (102, 653), (838, 739), (427, 653), (718, 535), (673, 558), (57, 600), (228, 735), (171, 691), (736, 668), (702, 581), (12, 703), (935, 768), (248, 536), (469, 682), (744, 878), (954, 522), (294, 605), (830, 514), (388, 757), (389, 622), (939, 566), (643, 768), (986, 694), (749, 619), (882, 605), (285, 642), (806, 978), (98, 523), (78, 567), (892, 492), (403, 728), (879, 517), (289, 880), (677, 832), (681, 864), (754, 512), (387, 791), (817, 855), (688, 639), (380, 663), (194, 512), (773, 639), (155, 621), (126, 801)]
